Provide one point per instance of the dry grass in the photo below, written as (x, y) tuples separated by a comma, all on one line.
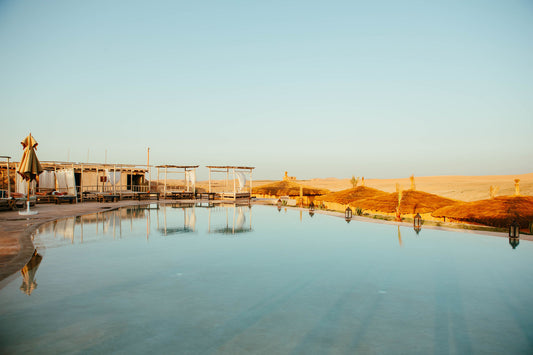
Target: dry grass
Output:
[(497, 212), (287, 188)]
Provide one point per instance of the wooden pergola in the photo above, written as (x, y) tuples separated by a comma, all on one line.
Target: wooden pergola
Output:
[(175, 169), (235, 170)]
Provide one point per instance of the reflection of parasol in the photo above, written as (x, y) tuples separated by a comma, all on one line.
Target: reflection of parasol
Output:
[(29, 168), (28, 273)]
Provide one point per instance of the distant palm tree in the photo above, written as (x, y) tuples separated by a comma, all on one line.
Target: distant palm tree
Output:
[(354, 181)]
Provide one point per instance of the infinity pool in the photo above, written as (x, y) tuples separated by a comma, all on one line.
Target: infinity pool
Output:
[(234, 280)]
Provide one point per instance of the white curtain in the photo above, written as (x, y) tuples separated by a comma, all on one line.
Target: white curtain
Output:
[(22, 185), (190, 176), (61, 177), (242, 179), (71, 181), (66, 182), (47, 180), (113, 177)]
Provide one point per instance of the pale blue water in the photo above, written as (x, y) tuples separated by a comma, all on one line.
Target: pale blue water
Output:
[(280, 284)]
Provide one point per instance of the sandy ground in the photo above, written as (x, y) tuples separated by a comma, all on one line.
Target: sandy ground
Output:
[(464, 188)]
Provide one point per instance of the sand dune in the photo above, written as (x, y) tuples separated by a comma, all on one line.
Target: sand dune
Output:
[(464, 188)]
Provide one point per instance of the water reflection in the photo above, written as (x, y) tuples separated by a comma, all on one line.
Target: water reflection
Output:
[(28, 273), (189, 220), (513, 242), (164, 220), (235, 220)]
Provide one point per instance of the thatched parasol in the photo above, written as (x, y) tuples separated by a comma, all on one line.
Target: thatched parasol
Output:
[(351, 195), (497, 212), (288, 188), (29, 167), (423, 202)]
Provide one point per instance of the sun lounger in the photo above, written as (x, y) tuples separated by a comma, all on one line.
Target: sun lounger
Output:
[(146, 195), (59, 199), (7, 204), (107, 197)]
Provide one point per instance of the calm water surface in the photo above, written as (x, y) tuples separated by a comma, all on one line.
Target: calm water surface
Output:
[(254, 280)]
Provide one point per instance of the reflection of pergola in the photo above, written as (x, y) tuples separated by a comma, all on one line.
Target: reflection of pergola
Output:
[(238, 174), (237, 225), (189, 175), (189, 220)]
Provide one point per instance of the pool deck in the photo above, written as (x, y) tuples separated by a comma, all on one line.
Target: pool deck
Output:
[(16, 246)]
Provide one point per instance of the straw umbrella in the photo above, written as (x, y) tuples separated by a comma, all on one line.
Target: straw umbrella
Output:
[(29, 167), (288, 188)]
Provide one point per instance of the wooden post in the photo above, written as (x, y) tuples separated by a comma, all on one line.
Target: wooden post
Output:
[(186, 175), (157, 184), (81, 188), (8, 181), (75, 187), (165, 192), (149, 171), (234, 190), (209, 180), (114, 178), (251, 184)]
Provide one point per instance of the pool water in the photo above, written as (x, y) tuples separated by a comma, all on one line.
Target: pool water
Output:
[(231, 279)]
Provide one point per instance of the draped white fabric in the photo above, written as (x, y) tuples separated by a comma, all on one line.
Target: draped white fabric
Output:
[(21, 185), (66, 182), (242, 179), (190, 176), (47, 180), (113, 177), (61, 178), (71, 181)]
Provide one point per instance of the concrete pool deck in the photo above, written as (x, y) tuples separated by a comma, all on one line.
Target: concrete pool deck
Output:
[(16, 246)]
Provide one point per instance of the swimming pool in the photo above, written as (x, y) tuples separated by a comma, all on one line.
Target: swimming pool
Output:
[(230, 279)]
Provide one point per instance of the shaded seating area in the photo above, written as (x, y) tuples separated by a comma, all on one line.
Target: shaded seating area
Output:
[(236, 176), (173, 190)]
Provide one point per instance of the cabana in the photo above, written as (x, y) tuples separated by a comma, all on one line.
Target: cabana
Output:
[(189, 177), (238, 174)]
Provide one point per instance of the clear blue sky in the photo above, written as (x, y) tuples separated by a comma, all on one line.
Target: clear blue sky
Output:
[(331, 88)]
